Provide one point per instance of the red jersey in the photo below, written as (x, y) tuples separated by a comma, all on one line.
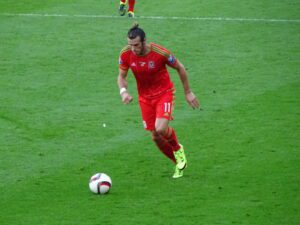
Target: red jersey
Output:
[(150, 70)]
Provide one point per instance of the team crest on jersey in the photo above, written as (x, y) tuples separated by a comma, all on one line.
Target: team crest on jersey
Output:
[(171, 59), (151, 65)]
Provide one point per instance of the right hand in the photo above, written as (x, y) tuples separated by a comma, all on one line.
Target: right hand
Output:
[(126, 98)]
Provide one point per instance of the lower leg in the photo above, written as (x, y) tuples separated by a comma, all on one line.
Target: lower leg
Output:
[(178, 151), (171, 137), (163, 145), (131, 5)]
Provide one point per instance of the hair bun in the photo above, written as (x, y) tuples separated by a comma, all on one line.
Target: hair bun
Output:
[(135, 25)]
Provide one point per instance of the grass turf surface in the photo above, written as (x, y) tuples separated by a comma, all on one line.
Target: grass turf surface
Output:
[(58, 86)]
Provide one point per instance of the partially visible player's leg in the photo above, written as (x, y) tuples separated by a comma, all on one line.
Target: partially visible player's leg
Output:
[(122, 7), (131, 4)]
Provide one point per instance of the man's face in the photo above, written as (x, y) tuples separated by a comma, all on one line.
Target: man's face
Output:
[(136, 45)]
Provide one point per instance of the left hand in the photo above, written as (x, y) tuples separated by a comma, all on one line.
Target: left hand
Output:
[(192, 100)]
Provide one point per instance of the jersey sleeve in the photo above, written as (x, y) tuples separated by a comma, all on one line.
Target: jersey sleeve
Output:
[(123, 59), (123, 63), (171, 60), (167, 57)]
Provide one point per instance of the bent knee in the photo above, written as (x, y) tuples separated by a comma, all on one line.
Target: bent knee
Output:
[(155, 135), (161, 131)]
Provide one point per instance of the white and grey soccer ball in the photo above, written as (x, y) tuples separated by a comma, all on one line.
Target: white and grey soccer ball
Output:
[(100, 183)]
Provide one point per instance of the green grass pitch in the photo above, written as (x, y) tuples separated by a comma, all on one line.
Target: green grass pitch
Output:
[(58, 86)]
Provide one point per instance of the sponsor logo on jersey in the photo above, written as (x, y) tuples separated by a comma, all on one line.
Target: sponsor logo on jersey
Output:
[(151, 65), (172, 59), (142, 63)]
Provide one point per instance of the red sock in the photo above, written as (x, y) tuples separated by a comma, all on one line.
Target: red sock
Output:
[(131, 5), (164, 146), (172, 139), (123, 1)]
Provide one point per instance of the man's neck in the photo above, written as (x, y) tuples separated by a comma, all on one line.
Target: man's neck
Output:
[(147, 49)]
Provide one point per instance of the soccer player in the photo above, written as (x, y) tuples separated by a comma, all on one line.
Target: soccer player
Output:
[(148, 62), (122, 7)]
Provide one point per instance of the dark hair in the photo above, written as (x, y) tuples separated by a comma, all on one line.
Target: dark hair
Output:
[(135, 31)]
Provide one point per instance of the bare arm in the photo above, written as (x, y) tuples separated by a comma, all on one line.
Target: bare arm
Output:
[(189, 95), (122, 83)]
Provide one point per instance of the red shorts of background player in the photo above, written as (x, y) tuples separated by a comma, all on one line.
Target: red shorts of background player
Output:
[(159, 107)]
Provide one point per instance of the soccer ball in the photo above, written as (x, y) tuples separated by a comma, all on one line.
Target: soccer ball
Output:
[(100, 183)]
